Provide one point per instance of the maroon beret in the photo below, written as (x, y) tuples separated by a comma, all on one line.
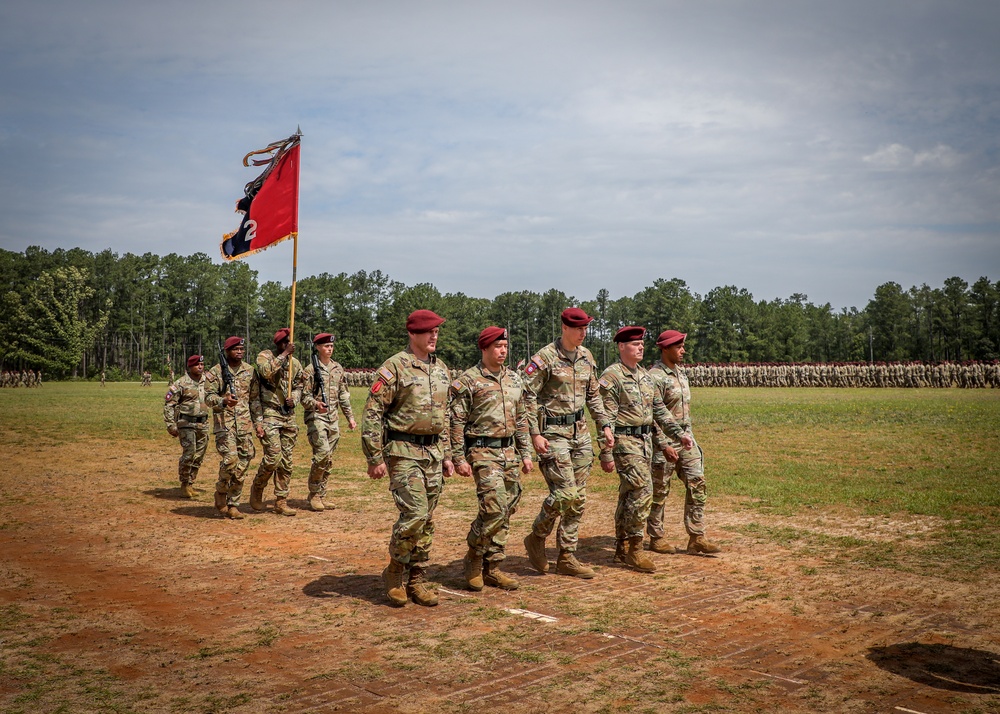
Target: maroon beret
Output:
[(490, 335), (195, 359), (323, 338), (630, 333), (575, 317), (232, 342), (670, 337), (423, 321), (281, 335)]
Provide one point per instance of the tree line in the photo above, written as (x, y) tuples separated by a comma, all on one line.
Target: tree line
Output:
[(76, 313)]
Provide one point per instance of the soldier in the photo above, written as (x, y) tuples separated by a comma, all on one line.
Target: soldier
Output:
[(408, 403), (560, 379), (672, 385), (236, 418), (277, 407), (186, 417), (321, 396), (489, 441), (632, 402), (103, 377)]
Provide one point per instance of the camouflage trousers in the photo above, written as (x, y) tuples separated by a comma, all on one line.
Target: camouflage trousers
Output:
[(236, 451), (498, 488), (635, 494), (690, 471), (416, 486), (323, 437), (565, 468), (194, 442), (278, 442)]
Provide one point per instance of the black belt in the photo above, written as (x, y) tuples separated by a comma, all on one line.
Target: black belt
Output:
[(488, 442), (193, 419), (418, 439), (634, 430), (557, 419)]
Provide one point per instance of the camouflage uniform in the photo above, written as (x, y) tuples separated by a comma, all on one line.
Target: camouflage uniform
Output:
[(323, 430), (405, 424), (489, 431), (280, 429), (557, 386), (672, 385), (632, 402), (185, 413), (233, 427)]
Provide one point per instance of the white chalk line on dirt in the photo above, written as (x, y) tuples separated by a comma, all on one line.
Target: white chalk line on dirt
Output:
[(910, 711), (530, 615), (783, 679), (317, 557)]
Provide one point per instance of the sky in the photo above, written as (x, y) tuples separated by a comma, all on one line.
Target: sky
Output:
[(484, 147)]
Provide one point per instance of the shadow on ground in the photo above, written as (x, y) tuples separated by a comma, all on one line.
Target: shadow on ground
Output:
[(364, 587), (957, 669)]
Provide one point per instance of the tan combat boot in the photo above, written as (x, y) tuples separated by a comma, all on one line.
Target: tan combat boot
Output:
[(636, 558), (619, 550), (392, 576), (257, 497), (234, 513), (316, 503), (494, 577), (473, 570), (699, 544), (187, 490), (282, 508), (418, 589), (567, 564), (659, 544), (220, 503), (536, 552)]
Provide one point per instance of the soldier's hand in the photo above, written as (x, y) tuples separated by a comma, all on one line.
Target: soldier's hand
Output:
[(449, 468), (377, 471), (260, 431), (172, 430), (670, 453), (687, 441), (230, 401), (289, 402), (608, 466), (289, 348), (609, 437), (321, 407), (541, 444), (353, 424), (464, 469), (526, 466)]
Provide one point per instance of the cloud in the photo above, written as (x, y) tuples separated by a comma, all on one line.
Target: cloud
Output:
[(898, 156)]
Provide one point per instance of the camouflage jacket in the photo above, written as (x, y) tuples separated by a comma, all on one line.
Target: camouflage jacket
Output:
[(410, 396), (672, 384), (631, 399), (488, 405), (272, 374), (556, 385), (334, 385), (246, 414), (185, 398)]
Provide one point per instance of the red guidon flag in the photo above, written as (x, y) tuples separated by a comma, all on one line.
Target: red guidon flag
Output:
[(270, 206)]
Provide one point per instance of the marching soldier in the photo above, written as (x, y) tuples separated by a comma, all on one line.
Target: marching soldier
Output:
[(559, 380), (277, 407), (672, 384), (322, 394), (489, 437), (406, 424), (186, 417), (236, 417), (632, 402)]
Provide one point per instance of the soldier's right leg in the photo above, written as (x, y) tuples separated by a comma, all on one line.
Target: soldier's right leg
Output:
[(185, 465), (271, 444), (322, 459), (662, 472), (557, 469), (245, 451), (409, 492), (225, 445), (492, 496)]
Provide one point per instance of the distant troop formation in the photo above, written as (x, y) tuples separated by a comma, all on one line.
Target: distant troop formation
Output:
[(969, 375), (490, 423), (24, 378)]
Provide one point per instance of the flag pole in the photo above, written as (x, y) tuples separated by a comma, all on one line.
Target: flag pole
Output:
[(295, 261)]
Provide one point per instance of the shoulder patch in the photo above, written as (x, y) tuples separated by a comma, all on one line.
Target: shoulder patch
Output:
[(534, 365), (457, 386), (386, 374), (209, 377), (603, 381), (377, 386), (170, 395)]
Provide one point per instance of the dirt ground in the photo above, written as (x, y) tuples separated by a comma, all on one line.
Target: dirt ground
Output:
[(118, 595)]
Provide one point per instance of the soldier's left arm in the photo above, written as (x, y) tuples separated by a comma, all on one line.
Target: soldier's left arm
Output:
[(522, 436), (344, 397), (664, 419), (609, 388), (596, 405)]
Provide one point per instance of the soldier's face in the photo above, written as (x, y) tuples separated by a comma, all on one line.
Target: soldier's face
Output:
[(572, 337), (495, 355), (675, 353), (197, 370), (425, 341), (237, 353), (631, 352), (325, 350)]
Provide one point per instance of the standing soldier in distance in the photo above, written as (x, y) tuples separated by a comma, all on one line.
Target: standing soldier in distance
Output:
[(559, 380), (488, 421), (277, 407), (672, 384), (406, 423), (236, 418), (632, 403), (186, 417), (322, 423)]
